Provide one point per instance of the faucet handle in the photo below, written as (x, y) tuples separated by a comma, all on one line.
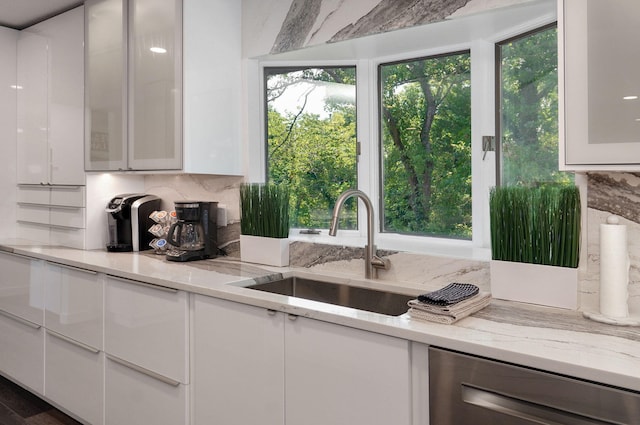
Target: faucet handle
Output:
[(380, 263)]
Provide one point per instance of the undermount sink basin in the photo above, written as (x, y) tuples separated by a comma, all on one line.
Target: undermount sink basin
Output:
[(382, 302)]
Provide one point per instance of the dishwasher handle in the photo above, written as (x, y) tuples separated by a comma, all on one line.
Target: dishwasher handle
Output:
[(534, 412)]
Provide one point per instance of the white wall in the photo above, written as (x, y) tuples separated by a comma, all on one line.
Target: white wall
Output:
[(8, 39)]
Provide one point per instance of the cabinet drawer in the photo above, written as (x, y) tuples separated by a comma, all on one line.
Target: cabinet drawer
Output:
[(22, 352), (73, 303), (70, 196), (147, 326), (33, 194), (21, 287), (67, 217), (33, 213), (68, 236), (74, 378), (135, 398)]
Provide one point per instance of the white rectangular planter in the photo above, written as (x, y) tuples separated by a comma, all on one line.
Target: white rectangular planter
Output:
[(261, 250), (535, 284)]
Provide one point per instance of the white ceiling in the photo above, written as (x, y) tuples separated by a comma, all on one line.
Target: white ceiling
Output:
[(20, 14)]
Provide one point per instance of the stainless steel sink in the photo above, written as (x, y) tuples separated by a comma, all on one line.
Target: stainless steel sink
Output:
[(383, 302)]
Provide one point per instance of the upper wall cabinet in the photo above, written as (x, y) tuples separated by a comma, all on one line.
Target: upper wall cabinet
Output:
[(51, 102), (141, 113), (601, 79)]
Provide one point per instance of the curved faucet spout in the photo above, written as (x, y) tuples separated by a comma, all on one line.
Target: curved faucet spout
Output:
[(371, 261)]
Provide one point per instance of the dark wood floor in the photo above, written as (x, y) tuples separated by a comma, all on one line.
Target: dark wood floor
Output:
[(19, 407)]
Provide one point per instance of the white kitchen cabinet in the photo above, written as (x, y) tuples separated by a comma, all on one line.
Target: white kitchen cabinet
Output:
[(50, 101), (22, 287), (294, 370), (74, 304), (136, 397), (138, 117), (340, 375), (238, 363), (21, 320), (134, 94), (599, 84), (148, 326), (74, 364), (74, 377)]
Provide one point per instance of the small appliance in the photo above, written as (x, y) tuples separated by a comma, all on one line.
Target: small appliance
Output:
[(128, 221), (194, 235)]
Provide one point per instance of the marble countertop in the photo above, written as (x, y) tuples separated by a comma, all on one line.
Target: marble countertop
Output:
[(550, 339)]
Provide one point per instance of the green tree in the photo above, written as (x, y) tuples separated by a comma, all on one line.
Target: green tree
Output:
[(427, 146)]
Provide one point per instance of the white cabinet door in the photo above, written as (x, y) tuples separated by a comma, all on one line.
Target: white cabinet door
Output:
[(73, 304), (134, 397), (33, 148), (238, 369), (601, 78), (148, 326), (212, 84), (21, 287), (65, 101), (51, 101), (74, 377), (22, 352), (340, 375)]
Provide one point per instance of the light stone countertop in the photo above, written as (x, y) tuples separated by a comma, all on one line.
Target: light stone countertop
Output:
[(549, 339)]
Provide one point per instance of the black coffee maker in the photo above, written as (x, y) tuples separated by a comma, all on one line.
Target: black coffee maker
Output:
[(194, 235), (128, 221)]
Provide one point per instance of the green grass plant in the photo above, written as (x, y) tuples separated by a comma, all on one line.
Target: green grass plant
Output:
[(264, 210), (538, 225)]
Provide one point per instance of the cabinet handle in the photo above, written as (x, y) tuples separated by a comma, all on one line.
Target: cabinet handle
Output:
[(78, 269), (144, 371), (523, 409), (292, 317), (271, 312), (19, 319), (145, 284), (15, 254), (73, 342)]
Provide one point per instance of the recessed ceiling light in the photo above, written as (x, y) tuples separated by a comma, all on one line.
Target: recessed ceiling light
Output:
[(15, 87), (630, 97), (158, 50)]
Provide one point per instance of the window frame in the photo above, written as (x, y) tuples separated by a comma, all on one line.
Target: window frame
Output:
[(483, 99)]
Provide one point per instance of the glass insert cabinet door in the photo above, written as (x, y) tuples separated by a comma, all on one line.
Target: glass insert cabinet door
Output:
[(601, 82), (134, 80)]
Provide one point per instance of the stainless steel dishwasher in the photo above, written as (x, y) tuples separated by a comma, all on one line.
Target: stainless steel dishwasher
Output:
[(468, 390)]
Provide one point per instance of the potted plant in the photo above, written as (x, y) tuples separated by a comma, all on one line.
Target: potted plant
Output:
[(264, 223), (535, 244)]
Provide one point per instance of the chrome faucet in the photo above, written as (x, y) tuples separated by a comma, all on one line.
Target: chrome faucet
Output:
[(371, 261)]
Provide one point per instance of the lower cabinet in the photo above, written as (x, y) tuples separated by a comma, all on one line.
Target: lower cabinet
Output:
[(238, 363), (134, 396), (253, 365), (22, 352), (74, 377)]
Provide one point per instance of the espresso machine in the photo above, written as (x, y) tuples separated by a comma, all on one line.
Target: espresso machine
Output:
[(128, 221), (194, 235)]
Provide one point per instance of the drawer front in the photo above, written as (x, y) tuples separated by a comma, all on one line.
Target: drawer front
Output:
[(135, 398), (73, 303), (147, 326), (33, 213), (67, 217), (74, 378), (70, 196), (22, 352), (34, 194), (21, 287)]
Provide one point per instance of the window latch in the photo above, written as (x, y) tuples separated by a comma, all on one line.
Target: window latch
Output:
[(488, 145)]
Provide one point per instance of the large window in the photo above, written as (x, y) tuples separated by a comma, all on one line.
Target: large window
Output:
[(528, 109), (311, 140), (425, 113)]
